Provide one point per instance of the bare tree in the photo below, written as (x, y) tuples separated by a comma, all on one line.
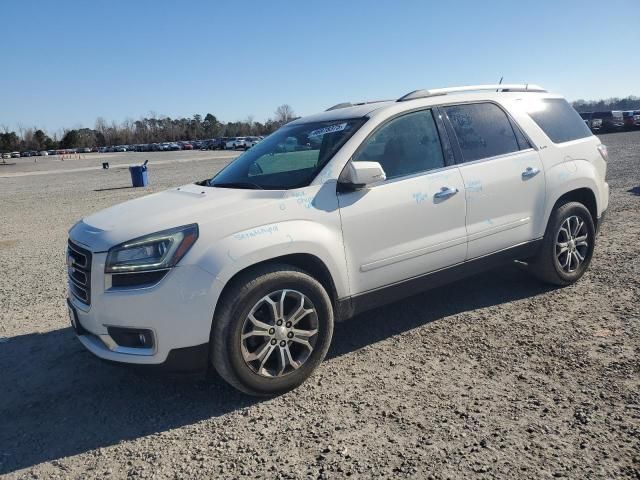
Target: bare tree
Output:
[(284, 114)]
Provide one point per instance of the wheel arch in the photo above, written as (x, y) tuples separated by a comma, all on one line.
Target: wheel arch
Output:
[(307, 262), (584, 195)]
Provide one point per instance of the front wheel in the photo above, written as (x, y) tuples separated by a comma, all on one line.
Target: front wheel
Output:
[(567, 246), (271, 330)]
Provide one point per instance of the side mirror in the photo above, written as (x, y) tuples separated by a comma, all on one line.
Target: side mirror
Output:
[(361, 175)]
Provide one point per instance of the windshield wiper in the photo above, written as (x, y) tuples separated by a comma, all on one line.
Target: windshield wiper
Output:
[(248, 185)]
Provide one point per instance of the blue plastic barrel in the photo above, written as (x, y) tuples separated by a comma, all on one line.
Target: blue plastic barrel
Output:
[(139, 175)]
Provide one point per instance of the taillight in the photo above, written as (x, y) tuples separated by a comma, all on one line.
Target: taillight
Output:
[(603, 152)]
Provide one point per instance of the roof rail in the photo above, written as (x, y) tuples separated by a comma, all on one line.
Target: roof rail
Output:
[(514, 87), (340, 105), (349, 104)]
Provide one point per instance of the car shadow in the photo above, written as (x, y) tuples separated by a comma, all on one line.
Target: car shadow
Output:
[(494, 287), (58, 400)]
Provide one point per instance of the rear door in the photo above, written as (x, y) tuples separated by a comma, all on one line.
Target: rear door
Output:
[(503, 178)]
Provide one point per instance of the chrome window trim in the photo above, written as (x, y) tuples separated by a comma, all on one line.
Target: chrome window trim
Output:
[(496, 157)]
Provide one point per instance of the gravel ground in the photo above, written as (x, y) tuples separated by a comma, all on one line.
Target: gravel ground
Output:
[(496, 376)]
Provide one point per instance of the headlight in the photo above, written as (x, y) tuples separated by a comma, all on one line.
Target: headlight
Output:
[(157, 251)]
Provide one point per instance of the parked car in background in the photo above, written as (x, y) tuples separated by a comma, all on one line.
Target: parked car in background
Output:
[(230, 144), (25, 154), (15, 154), (595, 124), (43, 153), (251, 142), (120, 148), (6, 155), (219, 143), (631, 119), (612, 121), (240, 143)]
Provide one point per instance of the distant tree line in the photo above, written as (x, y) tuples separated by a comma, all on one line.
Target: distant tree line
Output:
[(629, 103), (155, 129), (151, 129)]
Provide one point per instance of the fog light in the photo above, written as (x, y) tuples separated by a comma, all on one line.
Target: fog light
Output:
[(131, 337)]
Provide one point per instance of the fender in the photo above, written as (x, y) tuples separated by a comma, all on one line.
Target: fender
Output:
[(235, 252)]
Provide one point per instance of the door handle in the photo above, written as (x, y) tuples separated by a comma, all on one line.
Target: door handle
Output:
[(445, 192), (530, 172)]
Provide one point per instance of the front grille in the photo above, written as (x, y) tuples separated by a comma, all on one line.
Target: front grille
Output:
[(79, 271)]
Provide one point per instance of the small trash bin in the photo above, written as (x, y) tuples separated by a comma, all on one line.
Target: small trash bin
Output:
[(139, 175)]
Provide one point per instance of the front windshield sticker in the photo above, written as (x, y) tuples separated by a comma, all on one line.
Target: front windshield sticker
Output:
[(322, 131)]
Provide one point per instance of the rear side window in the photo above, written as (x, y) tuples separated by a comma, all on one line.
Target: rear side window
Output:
[(483, 130), (559, 120)]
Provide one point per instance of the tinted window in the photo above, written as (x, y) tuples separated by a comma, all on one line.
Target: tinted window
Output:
[(559, 120), (523, 143), (404, 146), (483, 130)]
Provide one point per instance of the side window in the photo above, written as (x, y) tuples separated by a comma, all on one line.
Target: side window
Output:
[(559, 120), (523, 143), (404, 146), (483, 130)]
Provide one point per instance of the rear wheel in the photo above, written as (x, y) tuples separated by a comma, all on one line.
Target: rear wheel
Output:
[(271, 330), (567, 246)]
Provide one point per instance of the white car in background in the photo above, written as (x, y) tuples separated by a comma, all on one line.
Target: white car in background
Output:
[(231, 143), (248, 271), (251, 142), (240, 143)]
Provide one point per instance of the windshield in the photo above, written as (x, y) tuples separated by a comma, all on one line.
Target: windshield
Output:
[(289, 158)]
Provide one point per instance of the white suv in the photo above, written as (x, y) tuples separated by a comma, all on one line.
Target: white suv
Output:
[(332, 215)]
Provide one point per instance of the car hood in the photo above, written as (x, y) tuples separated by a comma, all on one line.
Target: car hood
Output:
[(172, 208)]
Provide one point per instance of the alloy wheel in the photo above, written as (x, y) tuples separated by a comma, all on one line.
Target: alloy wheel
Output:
[(572, 244), (279, 333)]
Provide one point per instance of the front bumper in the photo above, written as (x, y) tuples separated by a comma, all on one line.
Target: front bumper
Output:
[(178, 310)]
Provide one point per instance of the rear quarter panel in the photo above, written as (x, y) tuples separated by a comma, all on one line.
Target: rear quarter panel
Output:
[(567, 166)]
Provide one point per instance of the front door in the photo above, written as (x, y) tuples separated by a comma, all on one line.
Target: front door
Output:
[(412, 223)]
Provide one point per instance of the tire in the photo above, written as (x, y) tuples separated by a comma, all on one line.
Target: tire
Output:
[(557, 266), (305, 300)]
